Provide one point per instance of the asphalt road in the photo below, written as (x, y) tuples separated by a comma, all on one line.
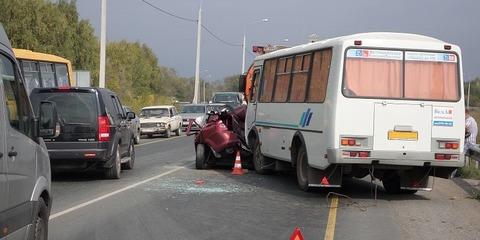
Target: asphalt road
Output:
[(164, 197)]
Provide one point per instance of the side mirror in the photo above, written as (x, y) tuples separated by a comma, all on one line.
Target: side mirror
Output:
[(49, 126), (242, 82), (130, 116)]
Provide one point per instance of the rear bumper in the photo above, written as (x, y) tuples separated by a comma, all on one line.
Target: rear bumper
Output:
[(399, 158)]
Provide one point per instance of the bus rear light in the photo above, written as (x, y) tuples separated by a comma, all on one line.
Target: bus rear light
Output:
[(441, 156), (357, 42), (351, 142), (447, 47), (364, 154), (344, 142), (353, 154), (448, 145)]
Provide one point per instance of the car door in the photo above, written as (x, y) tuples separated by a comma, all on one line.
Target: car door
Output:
[(19, 147), (122, 124)]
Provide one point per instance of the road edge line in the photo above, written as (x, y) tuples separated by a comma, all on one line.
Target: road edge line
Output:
[(332, 219), (81, 205)]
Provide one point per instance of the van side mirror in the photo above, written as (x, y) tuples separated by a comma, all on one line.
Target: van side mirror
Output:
[(49, 126), (242, 82), (130, 116)]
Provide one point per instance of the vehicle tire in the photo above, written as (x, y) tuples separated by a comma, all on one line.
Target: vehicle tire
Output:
[(259, 160), (137, 138), (200, 157), (167, 134), (131, 153), (41, 221), (391, 184), (302, 169), (114, 171), (178, 131)]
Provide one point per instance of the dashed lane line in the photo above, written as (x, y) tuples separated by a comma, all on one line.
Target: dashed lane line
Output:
[(157, 141)]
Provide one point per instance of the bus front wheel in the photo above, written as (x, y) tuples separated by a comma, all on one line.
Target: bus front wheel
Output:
[(302, 169)]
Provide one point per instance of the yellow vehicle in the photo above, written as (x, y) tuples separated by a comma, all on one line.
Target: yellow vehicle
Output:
[(44, 70)]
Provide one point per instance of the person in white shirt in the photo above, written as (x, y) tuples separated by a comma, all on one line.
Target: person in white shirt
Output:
[(471, 131)]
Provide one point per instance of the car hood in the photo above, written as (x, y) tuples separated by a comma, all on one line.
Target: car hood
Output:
[(191, 115), (155, 120)]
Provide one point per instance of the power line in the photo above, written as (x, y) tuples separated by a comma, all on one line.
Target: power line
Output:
[(220, 39), (195, 21), (170, 14)]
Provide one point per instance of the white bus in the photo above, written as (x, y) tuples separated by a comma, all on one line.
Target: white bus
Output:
[(385, 104)]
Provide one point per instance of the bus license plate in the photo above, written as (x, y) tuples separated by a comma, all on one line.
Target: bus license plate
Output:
[(396, 135)]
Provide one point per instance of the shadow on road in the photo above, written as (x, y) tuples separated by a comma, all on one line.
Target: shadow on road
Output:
[(86, 176)]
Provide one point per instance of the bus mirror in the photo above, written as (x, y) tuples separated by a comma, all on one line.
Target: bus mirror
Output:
[(242, 81)]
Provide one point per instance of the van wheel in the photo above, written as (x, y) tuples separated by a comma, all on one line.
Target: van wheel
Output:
[(41, 221), (391, 184), (178, 131), (114, 171), (131, 153), (302, 169), (200, 161), (259, 160)]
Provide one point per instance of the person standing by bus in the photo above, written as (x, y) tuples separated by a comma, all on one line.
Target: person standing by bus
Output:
[(471, 131)]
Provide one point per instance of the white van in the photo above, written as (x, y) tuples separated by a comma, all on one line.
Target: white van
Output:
[(25, 196), (387, 104)]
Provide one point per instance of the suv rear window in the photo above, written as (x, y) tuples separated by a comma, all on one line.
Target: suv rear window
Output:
[(72, 107)]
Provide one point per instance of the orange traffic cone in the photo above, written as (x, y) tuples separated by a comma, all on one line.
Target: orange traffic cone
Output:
[(297, 234), (237, 167)]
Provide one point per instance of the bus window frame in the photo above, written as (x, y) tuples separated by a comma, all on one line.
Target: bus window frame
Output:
[(403, 50), (310, 69)]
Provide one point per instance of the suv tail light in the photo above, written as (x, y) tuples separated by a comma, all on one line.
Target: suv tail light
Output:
[(103, 129)]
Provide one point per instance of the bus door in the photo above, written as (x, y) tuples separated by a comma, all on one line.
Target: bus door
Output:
[(252, 104)]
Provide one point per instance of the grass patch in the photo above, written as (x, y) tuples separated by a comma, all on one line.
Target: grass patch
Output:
[(476, 195), (470, 172)]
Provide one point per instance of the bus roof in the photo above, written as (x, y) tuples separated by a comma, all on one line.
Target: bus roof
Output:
[(31, 55), (349, 39)]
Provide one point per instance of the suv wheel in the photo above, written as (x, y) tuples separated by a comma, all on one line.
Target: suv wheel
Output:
[(114, 171), (131, 153), (41, 221)]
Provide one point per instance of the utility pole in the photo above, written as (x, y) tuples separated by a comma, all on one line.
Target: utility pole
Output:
[(197, 64), (103, 38), (204, 84), (243, 52)]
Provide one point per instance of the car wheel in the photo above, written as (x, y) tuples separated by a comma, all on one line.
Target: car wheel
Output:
[(200, 159), (41, 221), (114, 171), (167, 135), (137, 138), (131, 153), (302, 169), (259, 160), (178, 131)]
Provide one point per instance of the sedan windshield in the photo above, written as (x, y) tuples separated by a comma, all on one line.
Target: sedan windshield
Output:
[(157, 112)]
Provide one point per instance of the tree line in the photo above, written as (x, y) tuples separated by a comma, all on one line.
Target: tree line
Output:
[(132, 69)]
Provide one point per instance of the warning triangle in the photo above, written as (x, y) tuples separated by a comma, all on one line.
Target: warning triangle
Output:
[(297, 234), (325, 181)]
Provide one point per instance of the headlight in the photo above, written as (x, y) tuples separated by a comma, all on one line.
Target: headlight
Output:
[(160, 124)]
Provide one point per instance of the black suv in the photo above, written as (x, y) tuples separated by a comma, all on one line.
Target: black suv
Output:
[(93, 130)]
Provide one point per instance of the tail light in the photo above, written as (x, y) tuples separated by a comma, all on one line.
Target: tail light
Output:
[(103, 129), (356, 154), (448, 145), (364, 154), (349, 142), (442, 156)]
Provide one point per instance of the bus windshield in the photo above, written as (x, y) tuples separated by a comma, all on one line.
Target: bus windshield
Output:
[(396, 74)]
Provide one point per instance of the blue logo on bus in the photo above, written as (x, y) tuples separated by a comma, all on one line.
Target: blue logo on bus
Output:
[(306, 117)]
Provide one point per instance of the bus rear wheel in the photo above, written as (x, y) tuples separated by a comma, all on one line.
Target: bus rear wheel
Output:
[(302, 169)]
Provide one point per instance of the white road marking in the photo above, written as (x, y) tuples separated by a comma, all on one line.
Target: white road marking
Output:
[(156, 141), (58, 214)]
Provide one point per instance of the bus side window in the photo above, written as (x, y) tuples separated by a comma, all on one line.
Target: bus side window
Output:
[(62, 74), (266, 88), (48, 74), (319, 79), (301, 69)]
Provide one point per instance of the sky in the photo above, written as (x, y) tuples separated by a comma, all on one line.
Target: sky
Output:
[(290, 23)]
